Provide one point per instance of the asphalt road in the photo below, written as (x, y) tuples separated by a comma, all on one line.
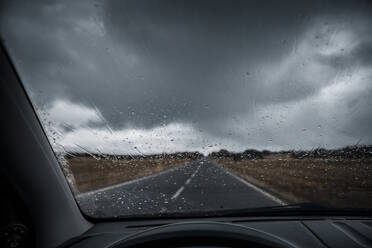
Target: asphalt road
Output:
[(201, 186)]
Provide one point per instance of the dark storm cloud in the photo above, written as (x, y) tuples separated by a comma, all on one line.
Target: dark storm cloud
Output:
[(208, 63), (363, 53), (207, 49)]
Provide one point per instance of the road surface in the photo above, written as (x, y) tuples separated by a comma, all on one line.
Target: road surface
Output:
[(200, 186)]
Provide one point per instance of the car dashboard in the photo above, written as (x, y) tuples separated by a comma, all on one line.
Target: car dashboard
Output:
[(230, 232)]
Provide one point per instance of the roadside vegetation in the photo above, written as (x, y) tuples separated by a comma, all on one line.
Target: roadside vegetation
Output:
[(335, 178)]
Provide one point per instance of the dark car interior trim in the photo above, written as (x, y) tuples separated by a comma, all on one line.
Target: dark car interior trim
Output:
[(26, 151)]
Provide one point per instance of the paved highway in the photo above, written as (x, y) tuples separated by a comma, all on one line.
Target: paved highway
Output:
[(200, 186)]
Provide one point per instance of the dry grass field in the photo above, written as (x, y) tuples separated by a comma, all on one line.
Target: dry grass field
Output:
[(329, 181), (91, 174)]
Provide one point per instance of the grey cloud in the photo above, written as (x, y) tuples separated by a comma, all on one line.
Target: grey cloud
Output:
[(346, 58), (151, 63), (363, 53)]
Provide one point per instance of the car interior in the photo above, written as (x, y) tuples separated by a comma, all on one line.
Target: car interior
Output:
[(39, 209)]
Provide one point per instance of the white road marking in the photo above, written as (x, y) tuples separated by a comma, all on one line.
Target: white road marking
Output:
[(179, 191), (196, 171), (268, 195)]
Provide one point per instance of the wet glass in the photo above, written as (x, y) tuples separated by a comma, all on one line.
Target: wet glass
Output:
[(189, 107)]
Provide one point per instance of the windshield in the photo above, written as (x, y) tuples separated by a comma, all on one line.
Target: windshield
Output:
[(177, 107)]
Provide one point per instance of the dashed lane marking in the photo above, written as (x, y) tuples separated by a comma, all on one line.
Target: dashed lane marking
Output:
[(179, 191)]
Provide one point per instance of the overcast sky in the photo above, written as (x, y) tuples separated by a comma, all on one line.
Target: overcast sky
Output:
[(163, 76)]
